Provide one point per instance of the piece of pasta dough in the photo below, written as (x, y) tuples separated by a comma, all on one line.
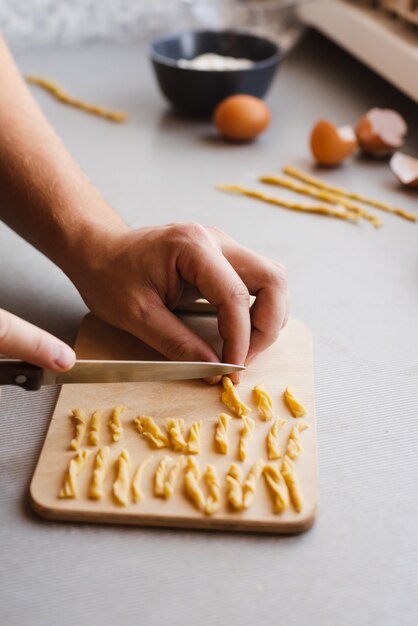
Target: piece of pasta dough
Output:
[(172, 476), (115, 423), (137, 493), (121, 486), (160, 476), (277, 486), (272, 441), (296, 408), (294, 447), (234, 486), (193, 441), (175, 428), (151, 431), (100, 469), (80, 422), (289, 475), (213, 501), (69, 488), (192, 484), (264, 402), (94, 432), (221, 433), (250, 484), (231, 399), (246, 435)]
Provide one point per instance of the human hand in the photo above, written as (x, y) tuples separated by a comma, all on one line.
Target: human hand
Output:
[(21, 340), (133, 279)]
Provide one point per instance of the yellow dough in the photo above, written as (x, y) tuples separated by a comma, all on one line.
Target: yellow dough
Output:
[(121, 486), (100, 469), (69, 489), (160, 476), (231, 399), (115, 424), (277, 486), (151, 431), (289, 475), (94, 433), (246, 434), (294, 447), (250, 484), (192, 486), (264, 402), (213, 501), (234, 486), (80, 421), (175, 428), (272, 441), (137, 479), (221, 433), (193, 442), (172, 477), (296, 408)]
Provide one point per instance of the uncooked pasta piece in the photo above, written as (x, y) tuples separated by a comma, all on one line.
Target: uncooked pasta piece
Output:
[(234, 487), (231, 399), (94, 433), (317, 182), (320, 209), (175, 428), (192, 486), (121, 486), (69, 488), (272, 442), (171, 477), (264, 402), (294, 447), (250, 484), (246, 434), (221, 433), (151, 431), (80, 421), (296, 408), (213, 501), (289, 475), (193, 442), (58, 93), (137, 479), (277, 486), (100, 469), (115, 424)]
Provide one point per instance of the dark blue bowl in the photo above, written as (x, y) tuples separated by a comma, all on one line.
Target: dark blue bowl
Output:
[(199, 91)]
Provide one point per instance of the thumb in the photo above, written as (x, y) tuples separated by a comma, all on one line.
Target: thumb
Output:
[(22, 340)]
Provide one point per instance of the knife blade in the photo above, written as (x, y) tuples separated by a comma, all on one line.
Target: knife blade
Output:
[(32, 377)]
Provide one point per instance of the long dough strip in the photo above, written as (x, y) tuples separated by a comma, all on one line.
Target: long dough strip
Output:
[(264, 402), (221, 433), (272, 441), (172, 477), (100, 469), (192, 486), (193, 441), (321, 194), (289, 475), (151, 431), (115, 424), (175, 428), (250, 484), (277, 486), (321, 184), (58, 93), (231, 399), (234, 486), (160, 476), (69, 488), (80, 421), (122, 483), (293, 206), (294, 447), (137, 479), (295, 407), (94, 432), (246, 434), (213, 501)]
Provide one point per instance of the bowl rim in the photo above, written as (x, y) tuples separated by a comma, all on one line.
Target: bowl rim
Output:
[(276, 57)]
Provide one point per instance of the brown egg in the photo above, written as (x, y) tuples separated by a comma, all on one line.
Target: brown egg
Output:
[(241, 117), (331, 145), (381, 131), (405, 169)]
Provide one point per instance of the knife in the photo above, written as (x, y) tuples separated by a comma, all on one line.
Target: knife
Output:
[(32, 377)]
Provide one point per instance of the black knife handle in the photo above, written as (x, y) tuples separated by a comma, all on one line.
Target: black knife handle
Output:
[(22, 374)]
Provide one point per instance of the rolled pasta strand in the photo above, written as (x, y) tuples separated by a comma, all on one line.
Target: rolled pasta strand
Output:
[(231, 399), (69, 488), (100, 469), (121, 486), (80, 421), (137, 493)]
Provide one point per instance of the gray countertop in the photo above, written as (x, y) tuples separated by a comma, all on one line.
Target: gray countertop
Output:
[(357, 289)]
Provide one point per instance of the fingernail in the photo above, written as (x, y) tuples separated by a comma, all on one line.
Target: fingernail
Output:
[(236, 378), (64, 356)]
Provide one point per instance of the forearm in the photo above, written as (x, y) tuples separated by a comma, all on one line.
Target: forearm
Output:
[(44, 195)]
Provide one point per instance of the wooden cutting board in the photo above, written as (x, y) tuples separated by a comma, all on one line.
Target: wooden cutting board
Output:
[(287, 362)]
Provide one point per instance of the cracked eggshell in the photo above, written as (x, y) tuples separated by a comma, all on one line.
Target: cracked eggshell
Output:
[(381, 131), (331, 145), (405, 169)]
